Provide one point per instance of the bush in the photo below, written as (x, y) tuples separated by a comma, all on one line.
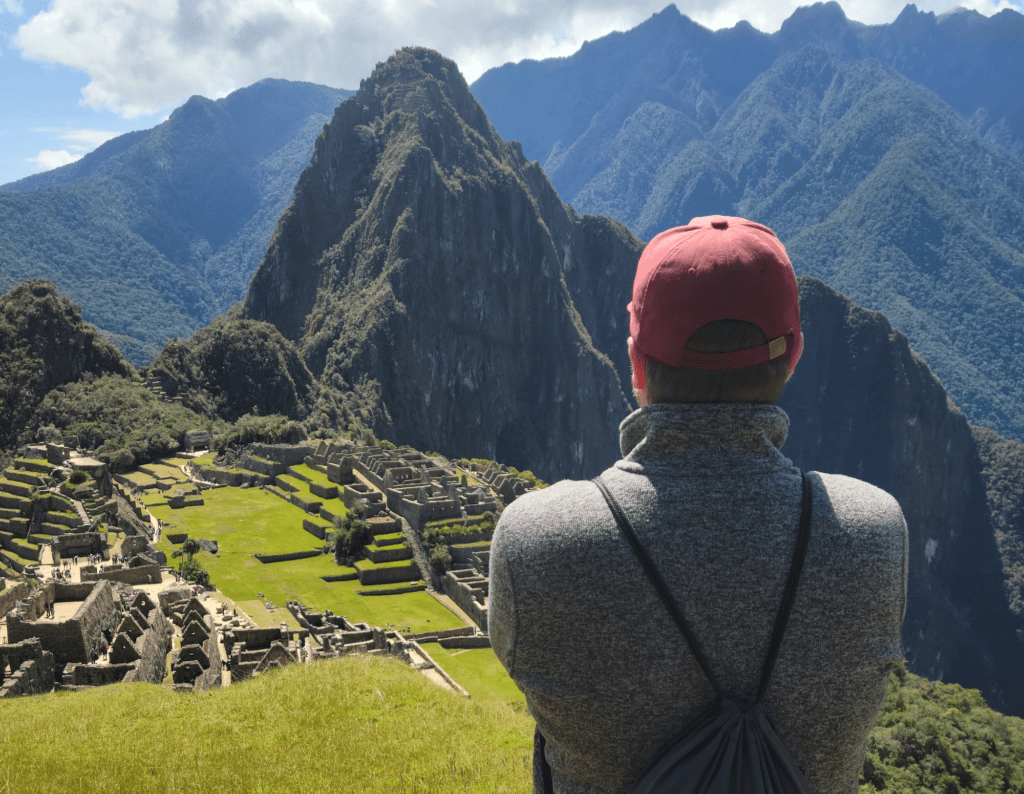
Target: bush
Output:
[(78, 476), (191, 570), (351, 537), (440, 560)]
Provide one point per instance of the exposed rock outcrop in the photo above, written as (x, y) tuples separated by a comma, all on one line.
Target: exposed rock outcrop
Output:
[(425, 266)]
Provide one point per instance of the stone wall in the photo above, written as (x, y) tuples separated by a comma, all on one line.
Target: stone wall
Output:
[(295, 555), (219, 476), (80, 543), (69, 640), (19, 591), (96, 674), (143, 574), (253, 638), (153, 647), (12, 562), (31, 669), (99, 613), (475, 641), (317, 529), (288, 454), (268, 468), (468, 595), (399, 573)]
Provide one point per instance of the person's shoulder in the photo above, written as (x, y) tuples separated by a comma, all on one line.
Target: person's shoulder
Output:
[(548, 499), (859, 505), (545, 512), (857, 493)]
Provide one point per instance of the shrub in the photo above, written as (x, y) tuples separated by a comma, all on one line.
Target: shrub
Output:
[(78, 476), (440, 560), (191, 570), (351, 538)]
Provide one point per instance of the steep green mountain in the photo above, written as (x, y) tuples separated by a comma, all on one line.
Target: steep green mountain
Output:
[(158, 231), (235, 367), (877, 186), (44, 344), (863, 403), (426, 265)]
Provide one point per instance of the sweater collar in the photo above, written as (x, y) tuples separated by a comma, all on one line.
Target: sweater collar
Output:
[(707, 438)]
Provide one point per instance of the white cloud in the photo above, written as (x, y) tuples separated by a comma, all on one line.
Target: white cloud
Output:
[(49, 159), (85, 139), (145, 56), (10, 7)]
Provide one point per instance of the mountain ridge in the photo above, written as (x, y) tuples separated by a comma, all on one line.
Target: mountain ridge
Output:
[(178, 215)]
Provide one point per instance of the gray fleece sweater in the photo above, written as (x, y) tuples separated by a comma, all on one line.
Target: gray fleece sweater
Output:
[(606, 673)]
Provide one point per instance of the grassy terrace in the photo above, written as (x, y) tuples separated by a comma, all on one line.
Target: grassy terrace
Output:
[(165, 471), (250, 520), (335, 506), (478, 670)]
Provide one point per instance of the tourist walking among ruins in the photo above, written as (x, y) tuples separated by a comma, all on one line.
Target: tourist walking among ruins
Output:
[(722, 515)]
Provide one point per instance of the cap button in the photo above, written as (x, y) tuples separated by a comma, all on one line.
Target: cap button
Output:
[(720, 223)]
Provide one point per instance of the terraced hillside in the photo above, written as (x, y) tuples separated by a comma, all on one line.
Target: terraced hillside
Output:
[(36, 508)]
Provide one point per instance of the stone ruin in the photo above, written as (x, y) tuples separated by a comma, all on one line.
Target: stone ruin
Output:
[(253, 650), (197, 439), (135, 631), (332, 636), (25, 669), (404, 481), (137, 651), (470, 588), (197, 665)]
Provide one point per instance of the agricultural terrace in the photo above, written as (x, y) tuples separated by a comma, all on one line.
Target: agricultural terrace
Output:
[(247, 521)]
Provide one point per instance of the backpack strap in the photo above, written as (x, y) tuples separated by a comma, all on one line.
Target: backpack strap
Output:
[(662, 589), (795, 569)]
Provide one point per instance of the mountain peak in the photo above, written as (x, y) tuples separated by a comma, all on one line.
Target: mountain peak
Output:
[(818, 19)]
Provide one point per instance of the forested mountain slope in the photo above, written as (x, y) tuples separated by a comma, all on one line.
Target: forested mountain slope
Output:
[(158, 231)]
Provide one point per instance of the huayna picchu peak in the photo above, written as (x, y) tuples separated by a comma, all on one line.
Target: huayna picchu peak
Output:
[(425, 263)]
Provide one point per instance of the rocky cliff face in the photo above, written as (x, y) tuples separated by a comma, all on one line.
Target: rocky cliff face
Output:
[(427, 265), (863, 403)]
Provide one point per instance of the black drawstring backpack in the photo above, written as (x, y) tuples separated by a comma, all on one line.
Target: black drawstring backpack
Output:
[(731, 748)]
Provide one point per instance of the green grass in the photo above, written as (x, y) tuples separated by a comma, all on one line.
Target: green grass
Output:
[(358, 724), (313, 475), (141, 479), (417, 610), (368, 565), (478, 671), (164, 471), (249, 520), (336, 506)]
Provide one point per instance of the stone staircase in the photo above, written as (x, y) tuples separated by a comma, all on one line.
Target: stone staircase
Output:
[(155, 387)]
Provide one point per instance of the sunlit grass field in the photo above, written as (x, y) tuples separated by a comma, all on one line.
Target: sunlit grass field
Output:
[(478, 671), (357, 724), (245, 521)]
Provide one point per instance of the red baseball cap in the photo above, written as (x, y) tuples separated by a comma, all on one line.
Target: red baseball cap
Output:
[(715, 268)]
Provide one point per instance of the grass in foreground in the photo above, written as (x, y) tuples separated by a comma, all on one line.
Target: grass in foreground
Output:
[(358, 724)]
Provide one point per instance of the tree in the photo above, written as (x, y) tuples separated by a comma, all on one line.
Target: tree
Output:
[(189, 567)]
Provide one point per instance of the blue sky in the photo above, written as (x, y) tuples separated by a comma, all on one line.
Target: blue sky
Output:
[(74, 73)]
